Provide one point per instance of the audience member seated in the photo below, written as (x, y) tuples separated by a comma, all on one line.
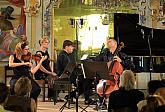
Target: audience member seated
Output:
[(127, 97), (4, 92), (21, 101), (161, 92), (155, 103), (23, 87), (153, 86)]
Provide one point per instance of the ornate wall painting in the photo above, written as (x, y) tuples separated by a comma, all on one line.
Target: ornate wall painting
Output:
[(11, 30)]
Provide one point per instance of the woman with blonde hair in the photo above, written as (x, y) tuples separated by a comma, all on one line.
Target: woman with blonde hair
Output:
[(127, 80), (126, 98), (44, 72), (22, 67)]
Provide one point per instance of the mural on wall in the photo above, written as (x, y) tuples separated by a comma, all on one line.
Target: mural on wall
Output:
[(152, 13), (11, 31)]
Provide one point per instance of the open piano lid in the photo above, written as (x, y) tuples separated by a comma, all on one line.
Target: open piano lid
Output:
[(128, 30)]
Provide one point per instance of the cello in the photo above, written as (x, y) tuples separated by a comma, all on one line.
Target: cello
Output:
[(105, 87)]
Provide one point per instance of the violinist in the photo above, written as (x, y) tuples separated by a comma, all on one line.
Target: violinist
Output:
[(108, 55), (22, 68), (45, 72)]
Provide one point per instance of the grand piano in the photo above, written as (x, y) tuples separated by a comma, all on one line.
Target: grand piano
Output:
[(137, 38)]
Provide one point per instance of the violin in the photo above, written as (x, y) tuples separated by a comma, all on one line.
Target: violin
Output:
[(30, 56)]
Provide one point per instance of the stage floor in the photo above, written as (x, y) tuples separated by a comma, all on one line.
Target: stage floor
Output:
[(50, 107)]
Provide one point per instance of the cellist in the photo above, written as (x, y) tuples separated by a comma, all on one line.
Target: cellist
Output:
[(111, 54)]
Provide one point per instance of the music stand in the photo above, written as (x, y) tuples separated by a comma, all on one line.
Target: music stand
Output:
[(65, 75), (68, 70), (92, 70)]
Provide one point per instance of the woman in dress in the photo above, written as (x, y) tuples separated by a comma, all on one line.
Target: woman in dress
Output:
[(24, 68)]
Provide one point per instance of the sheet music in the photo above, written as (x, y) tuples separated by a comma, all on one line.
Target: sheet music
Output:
[(84, 57)]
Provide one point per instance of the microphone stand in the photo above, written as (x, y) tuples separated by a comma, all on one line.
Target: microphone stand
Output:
[(77, 93), (149, 36), (77, 41), (150, 52), (76, 59)]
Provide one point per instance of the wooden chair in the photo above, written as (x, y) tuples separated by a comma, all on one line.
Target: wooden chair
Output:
[(8, 73), (43, 86)]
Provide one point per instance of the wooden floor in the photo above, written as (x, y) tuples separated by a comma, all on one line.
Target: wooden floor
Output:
[(50, 107)]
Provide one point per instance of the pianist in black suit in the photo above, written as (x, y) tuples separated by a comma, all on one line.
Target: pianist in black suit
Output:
[(66, 56)]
